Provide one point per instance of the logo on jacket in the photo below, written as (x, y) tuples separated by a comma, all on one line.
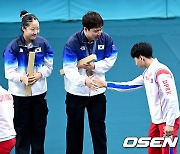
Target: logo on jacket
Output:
[(38, 49), (100, 47), (82, 47), (21, 50), (167, 87)]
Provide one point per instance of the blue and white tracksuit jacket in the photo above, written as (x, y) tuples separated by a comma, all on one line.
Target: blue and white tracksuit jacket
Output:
[(160, 89), (16, 62), (76, 49)]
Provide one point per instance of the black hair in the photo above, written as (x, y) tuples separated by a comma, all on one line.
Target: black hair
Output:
[(141, 49), (27, 18), (23, 12), (92, 20)]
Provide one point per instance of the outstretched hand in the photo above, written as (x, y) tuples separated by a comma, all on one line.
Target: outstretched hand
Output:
[(99, 82), (95, 82), (89, 82)]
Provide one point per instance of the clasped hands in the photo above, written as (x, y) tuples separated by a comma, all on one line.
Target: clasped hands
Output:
[(30, 80), (95, 83), (87, 66), (91, 81)]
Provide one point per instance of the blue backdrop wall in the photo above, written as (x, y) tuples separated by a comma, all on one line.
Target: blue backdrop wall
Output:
[(127, 113), (74, 9)]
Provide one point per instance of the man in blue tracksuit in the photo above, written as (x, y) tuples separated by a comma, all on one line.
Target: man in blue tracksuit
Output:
[(30, 116), (90, 40)]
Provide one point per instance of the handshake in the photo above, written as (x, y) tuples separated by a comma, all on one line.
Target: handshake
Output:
[(94, 82)]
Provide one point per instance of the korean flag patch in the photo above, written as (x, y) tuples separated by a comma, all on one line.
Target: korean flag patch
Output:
[(82, 48)]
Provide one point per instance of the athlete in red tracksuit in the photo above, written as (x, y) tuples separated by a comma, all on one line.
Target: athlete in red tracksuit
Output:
[(161, 93), (7, 131)]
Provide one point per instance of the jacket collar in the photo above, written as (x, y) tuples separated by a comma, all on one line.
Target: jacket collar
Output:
[(22, 42), (84, 38)]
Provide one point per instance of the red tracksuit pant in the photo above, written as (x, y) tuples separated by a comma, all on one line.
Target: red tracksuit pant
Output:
[(6, 146), (156, 130)]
